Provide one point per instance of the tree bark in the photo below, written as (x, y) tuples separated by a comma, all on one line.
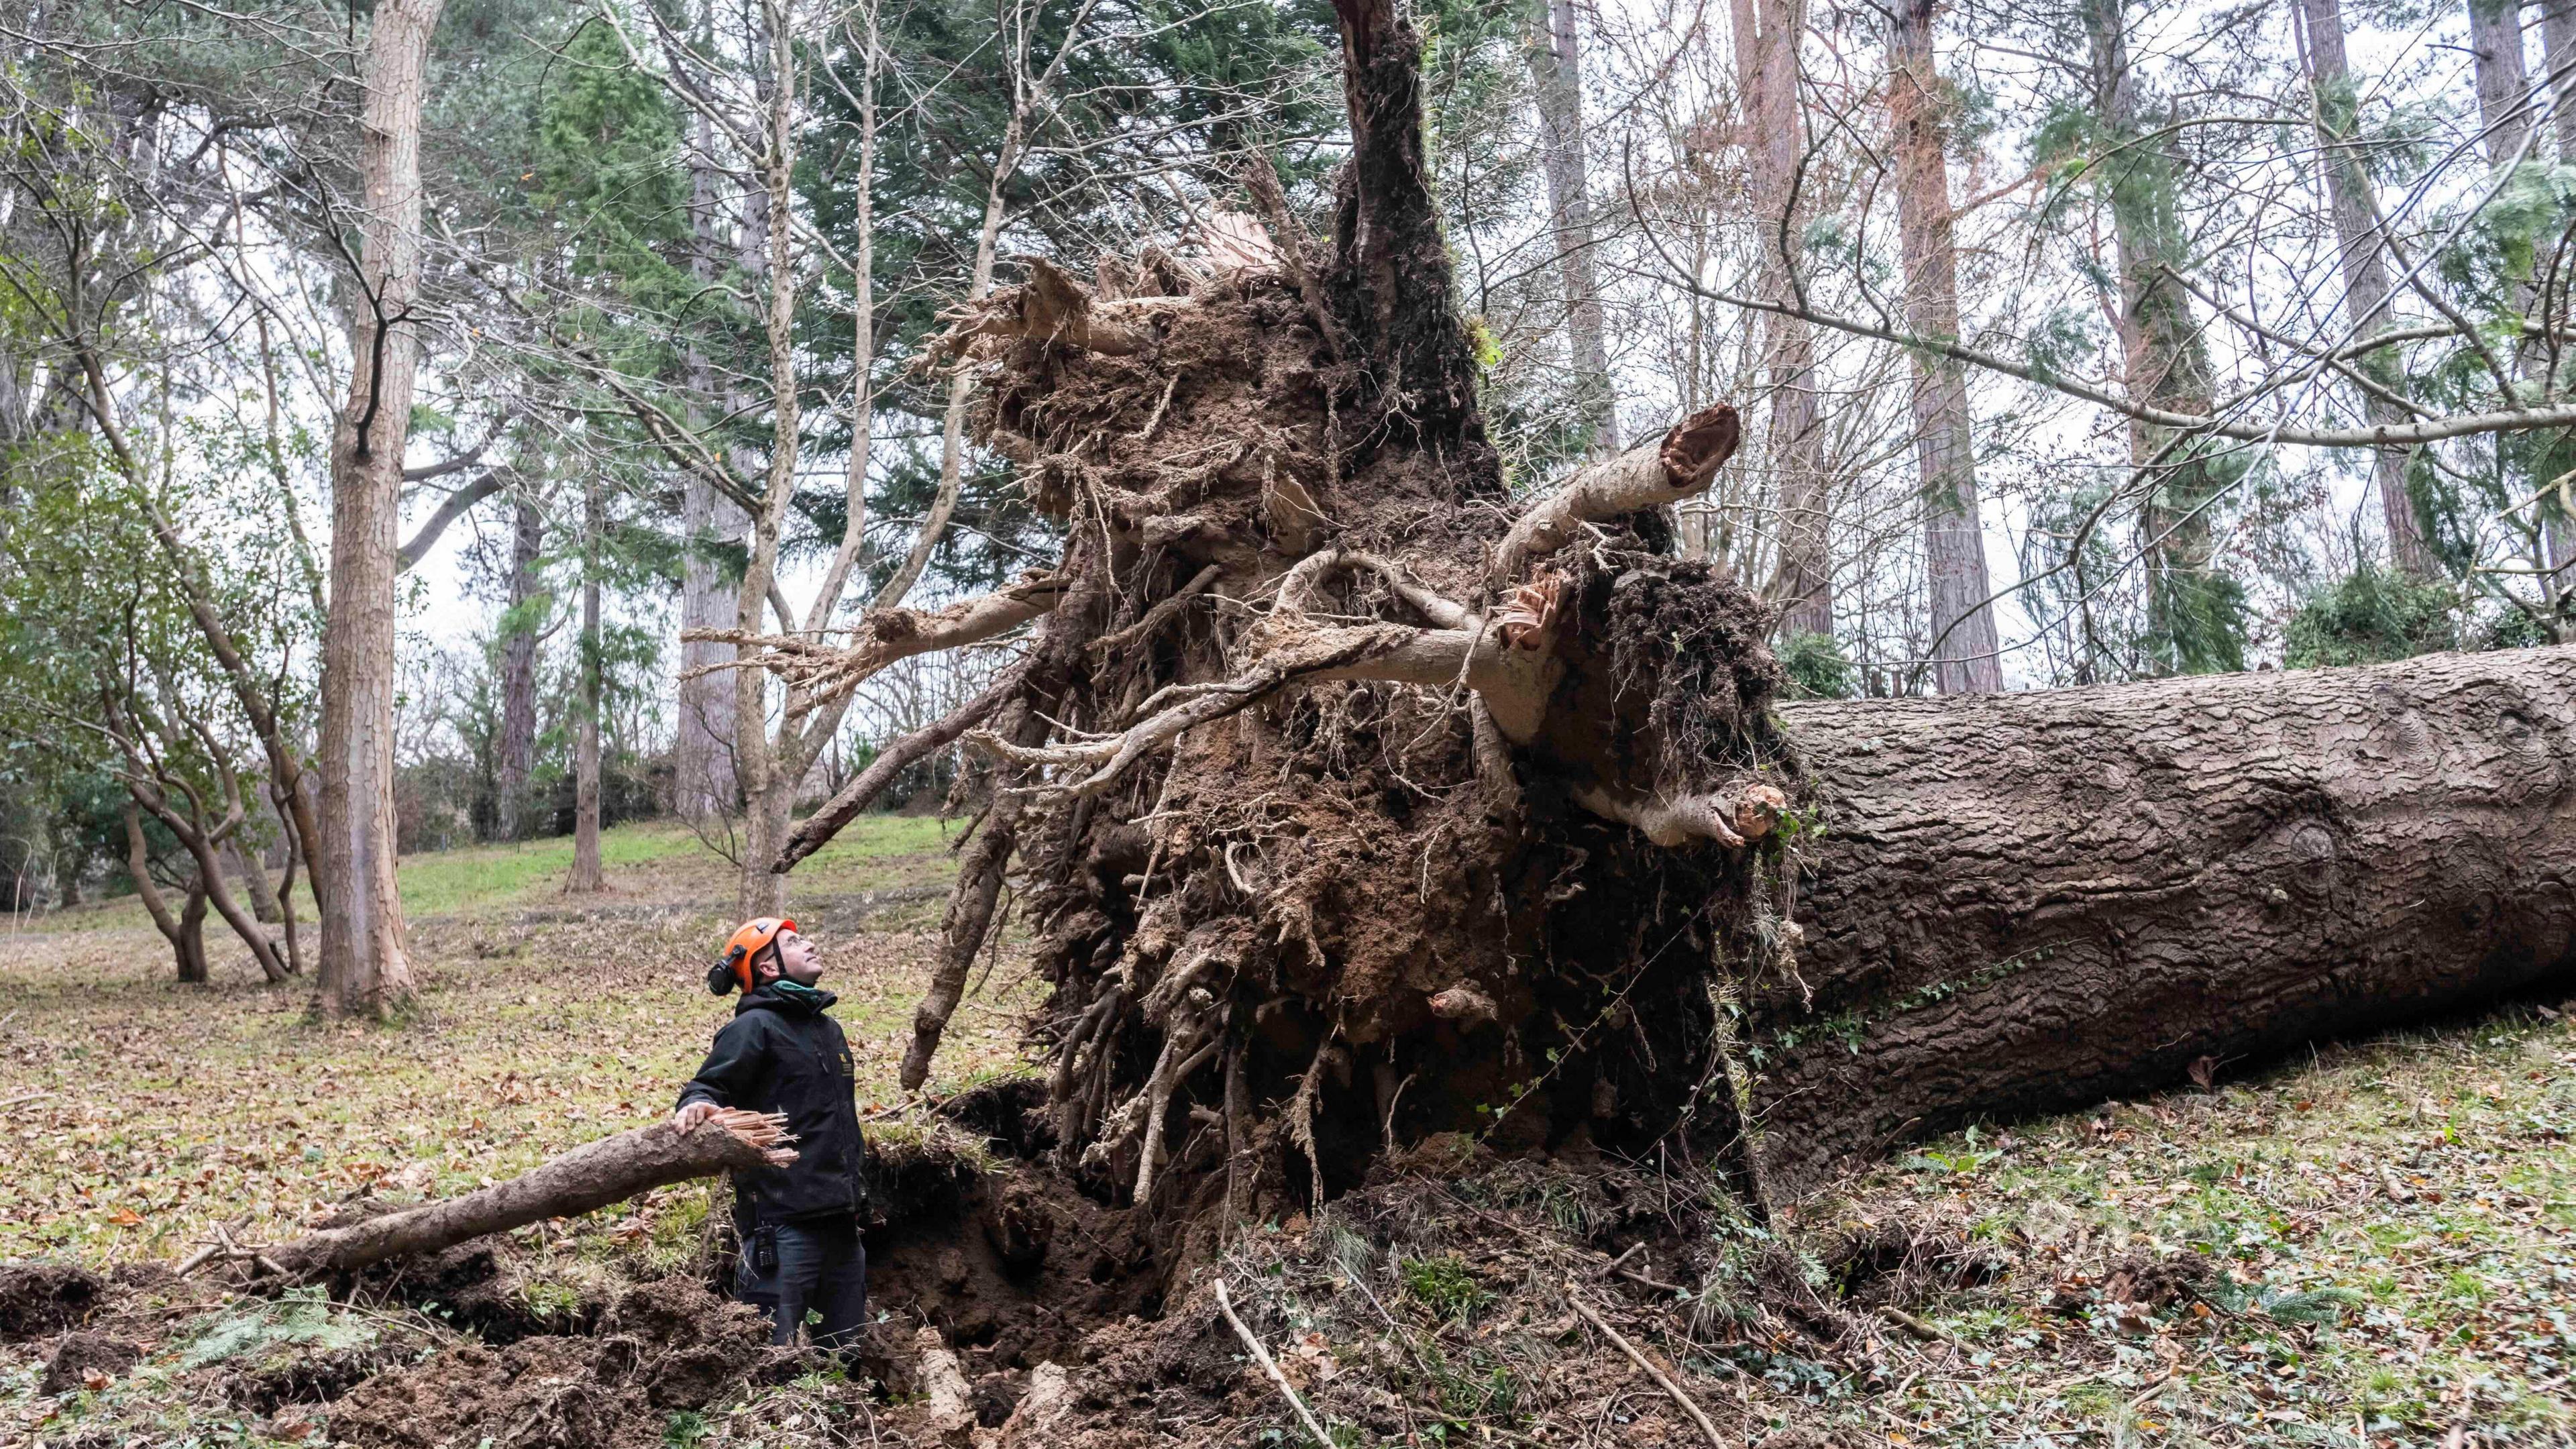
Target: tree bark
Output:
[(770, 774), (365, 967), (2029, 902), (1768, 34), (583, 1180), (517, 752), (2501, 75), (1556, 73), (704, 786), (586, 878), (2365, 268), (2192, 614), (186, 930), (1966, 655), (264, 907), (2558, 41)]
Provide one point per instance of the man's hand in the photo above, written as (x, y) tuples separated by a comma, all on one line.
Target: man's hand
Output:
[(692, 1114)]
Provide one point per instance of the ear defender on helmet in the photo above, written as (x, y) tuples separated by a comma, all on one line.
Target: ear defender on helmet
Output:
[(725, 975)]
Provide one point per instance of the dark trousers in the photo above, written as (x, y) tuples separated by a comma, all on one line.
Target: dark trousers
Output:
[(819, 1266)]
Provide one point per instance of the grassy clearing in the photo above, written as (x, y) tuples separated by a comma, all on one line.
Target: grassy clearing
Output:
[(543, 1023), (2392, 1226)]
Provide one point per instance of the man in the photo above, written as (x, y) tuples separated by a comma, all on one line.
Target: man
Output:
[(799, 1224)]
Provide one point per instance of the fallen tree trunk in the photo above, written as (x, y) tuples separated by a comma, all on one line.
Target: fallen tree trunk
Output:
[(583, 1180), (1351, 798), (2018, 903)]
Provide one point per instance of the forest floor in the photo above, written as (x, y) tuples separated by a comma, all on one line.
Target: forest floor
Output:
[(2373, 1244)]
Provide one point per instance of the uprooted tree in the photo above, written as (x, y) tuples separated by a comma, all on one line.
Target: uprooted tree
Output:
[(1353, 800)]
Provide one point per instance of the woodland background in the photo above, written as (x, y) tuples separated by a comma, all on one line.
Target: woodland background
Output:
[(2076, 292)]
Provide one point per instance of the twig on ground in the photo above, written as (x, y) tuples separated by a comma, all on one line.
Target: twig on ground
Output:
[(1638, 1358), (1225, 1304), (23, 1098), (1916, 1326)]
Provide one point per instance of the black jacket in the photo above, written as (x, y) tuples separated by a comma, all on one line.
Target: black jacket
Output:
[(779, 1054)]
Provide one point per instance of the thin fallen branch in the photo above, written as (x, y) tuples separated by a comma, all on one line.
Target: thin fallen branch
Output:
[(1278, 1380), (822, 673), (817, 829), (583, 1180), (1677, 466), (1640, 1360)]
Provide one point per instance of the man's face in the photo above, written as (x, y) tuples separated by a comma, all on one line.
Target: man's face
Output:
[(798, 961)]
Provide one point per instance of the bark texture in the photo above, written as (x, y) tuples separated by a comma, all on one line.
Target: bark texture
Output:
[(365, 968), (2192, 611), (586, 878), (583, 1180), (703, 785), (1556, 72), (1966, 656), (1768, 34), (2030, 902), (2359, 252), (517, 753)]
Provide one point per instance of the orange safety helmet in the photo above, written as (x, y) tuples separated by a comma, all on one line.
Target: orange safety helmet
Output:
[(749, 939)]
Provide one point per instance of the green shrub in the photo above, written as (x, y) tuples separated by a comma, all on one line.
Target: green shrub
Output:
[(1817, 667), (2371, 617)]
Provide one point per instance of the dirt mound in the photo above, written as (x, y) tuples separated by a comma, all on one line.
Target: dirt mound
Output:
[(1436, 1303), (1012, 1265), (87, 1360), (661, 1347), (37, 1299)]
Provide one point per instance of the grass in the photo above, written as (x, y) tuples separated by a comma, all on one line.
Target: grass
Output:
[(641, 859), (2393, 1225), (542, 1023)]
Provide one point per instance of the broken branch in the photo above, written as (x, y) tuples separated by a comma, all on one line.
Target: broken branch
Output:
[(1662, 1380), (818, 828), (1260, 1355), (583, 1180), (824, 673), (1668, 471)]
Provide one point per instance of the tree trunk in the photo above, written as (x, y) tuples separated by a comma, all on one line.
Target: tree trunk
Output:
[(1966, 656), (263, 894), (585, 878), (191, 940), (2506, 112), (770, 771), (1556, 73), (2193, 623), (1768, 34), (583, 1180), (2558, 39), (704, 786), (185, 933), (2365, 269), (516, 757), (365, 969), (2502, 77), (2031, 902)]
